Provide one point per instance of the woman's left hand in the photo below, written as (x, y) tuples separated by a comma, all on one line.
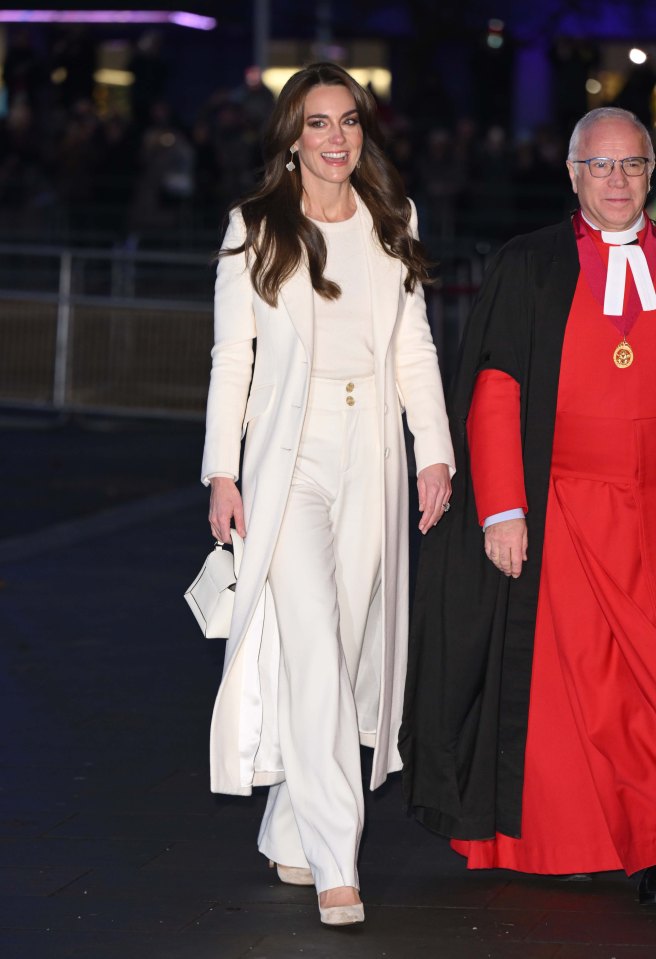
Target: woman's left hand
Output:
[(434, 487)]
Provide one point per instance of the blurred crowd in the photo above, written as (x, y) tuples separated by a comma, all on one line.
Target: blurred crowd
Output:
[(73, 168)]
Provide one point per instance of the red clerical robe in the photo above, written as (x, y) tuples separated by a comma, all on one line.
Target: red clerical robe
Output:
[(589, 795)]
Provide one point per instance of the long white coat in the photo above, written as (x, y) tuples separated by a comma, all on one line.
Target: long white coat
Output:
[(268, 402)]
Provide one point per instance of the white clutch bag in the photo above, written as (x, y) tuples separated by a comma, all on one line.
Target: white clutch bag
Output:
[(211, 596)]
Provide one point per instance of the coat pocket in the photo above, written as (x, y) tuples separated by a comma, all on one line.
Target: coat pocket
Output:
[(258, 402)]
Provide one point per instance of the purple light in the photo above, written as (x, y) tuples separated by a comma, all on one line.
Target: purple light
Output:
[(192, 20)]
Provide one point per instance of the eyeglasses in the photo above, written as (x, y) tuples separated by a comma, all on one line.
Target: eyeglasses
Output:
[(603, 166)]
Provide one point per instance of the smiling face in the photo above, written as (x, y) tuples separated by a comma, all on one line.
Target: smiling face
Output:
[(612, 203), (331, 142)]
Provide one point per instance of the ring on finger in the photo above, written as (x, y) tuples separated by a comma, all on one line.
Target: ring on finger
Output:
[(446, 506)]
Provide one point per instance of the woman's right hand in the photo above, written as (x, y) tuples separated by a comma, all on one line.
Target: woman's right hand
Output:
[(225, 506)]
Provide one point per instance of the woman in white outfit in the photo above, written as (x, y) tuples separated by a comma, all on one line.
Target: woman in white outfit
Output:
[(322, 269)]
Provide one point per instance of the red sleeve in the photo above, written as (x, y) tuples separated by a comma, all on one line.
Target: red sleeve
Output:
[(495, 447)]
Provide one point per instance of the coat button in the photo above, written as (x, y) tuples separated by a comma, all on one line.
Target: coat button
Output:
[(350, 387), (350, 401), (387, 452)]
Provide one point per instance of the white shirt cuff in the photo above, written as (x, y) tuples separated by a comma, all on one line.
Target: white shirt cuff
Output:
[(500, 517), (206, 479)]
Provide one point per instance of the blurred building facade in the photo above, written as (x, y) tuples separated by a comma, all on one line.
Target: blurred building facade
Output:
[(123, 145), (143, 134)]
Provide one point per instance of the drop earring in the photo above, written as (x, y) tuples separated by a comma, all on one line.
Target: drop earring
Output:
[(291, 166)]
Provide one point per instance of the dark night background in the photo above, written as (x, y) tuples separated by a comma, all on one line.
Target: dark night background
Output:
[(483, 96), (123, 145)]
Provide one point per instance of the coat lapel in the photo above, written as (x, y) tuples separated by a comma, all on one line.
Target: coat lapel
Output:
[(384, 285), (298, 299)]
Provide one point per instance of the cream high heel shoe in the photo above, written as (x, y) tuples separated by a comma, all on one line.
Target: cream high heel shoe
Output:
[(293, 875), (341, 915)]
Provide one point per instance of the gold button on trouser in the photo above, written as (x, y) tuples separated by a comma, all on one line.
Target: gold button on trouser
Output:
[(328, 394)]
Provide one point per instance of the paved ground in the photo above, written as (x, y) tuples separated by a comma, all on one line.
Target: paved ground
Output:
[(111, 846)]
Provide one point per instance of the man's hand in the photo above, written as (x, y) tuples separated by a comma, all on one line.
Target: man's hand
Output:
[(506, 545)]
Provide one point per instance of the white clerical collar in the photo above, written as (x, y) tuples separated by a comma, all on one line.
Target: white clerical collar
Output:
[(621, 254), (621, 236)]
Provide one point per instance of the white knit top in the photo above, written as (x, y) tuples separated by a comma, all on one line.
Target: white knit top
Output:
[(343, 330)]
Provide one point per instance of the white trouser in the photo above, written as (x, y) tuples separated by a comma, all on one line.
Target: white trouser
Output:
[(323, 575)]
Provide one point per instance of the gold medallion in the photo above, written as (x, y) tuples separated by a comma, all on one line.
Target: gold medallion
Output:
[(623, 355)]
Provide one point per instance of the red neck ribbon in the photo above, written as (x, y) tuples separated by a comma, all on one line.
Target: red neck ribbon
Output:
[(595, 269)]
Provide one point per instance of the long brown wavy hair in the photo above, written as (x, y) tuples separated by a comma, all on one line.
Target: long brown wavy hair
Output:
[(279, 236)]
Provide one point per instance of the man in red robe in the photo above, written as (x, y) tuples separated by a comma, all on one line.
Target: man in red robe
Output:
[(529, 734)]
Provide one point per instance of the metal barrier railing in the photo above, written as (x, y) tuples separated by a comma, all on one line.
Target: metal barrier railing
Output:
[(131, 332), (105, 330)]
